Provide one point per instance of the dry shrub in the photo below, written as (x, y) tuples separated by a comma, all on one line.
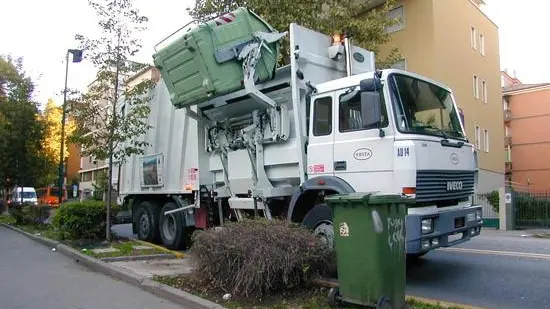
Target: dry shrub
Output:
[(255, 257)]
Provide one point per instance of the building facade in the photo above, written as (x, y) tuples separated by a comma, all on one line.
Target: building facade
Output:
[(526, 127), (454, 42)]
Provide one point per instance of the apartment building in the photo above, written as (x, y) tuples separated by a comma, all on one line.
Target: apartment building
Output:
[(91, 169), (454, 42), (526, 127)]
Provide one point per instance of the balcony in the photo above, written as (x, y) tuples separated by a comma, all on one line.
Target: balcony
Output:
[(507, 115), (507, 140), (508, 167)]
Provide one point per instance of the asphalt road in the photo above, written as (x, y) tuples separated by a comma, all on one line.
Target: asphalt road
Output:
[(496, 270), (32, 276)]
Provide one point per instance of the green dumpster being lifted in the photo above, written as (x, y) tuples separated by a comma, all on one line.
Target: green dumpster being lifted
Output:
[(204, 62), (369, 236)]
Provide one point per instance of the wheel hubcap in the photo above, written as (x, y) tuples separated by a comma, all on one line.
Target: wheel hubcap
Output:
[(169, 227), (325, 233), (144, 224)]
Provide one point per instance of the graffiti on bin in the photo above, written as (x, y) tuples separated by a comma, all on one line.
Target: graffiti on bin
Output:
[(396, 237)]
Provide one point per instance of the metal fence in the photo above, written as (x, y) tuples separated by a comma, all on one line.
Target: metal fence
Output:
[(532, 209), (490, 216)]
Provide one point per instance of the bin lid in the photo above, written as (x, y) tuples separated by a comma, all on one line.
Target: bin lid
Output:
[(369, 198)]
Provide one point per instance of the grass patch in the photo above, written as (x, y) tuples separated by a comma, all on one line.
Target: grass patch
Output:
[(315, 298), (7, 219), (124, 247)]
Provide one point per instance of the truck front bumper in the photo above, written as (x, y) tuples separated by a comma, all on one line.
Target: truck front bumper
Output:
[(448, 228)]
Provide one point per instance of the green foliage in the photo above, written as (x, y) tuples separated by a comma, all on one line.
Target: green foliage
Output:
[(494, 199), (30, 214), (366, 27), (255, 257), (82, 220), (533, 208), (102, 132), (22, 130), (100, 186)]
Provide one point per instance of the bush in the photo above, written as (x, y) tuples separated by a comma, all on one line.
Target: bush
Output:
[(30, 214), (255, 257), (494, 200), (82, 220)]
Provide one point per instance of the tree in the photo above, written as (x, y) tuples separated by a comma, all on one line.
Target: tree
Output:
[(366, 26), (110, 117), (52, 141), (22, 130)]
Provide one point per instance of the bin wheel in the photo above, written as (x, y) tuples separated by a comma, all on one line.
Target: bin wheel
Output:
[(383, 303), (334, 299)]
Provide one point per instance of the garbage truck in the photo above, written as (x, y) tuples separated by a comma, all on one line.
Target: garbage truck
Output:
[(234, 136)]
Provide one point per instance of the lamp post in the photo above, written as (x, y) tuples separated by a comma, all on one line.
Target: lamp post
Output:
[(77, 57)]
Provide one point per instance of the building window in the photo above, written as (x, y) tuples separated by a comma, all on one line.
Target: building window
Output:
[(508, 153), (478, 138), (482, 44), (401, 65), (476, 86), (484, 91), (473, 37), (486, 140), (396, 14), (507, 131)]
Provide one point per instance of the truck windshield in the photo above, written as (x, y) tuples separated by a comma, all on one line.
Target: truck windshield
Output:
[(424, 108)]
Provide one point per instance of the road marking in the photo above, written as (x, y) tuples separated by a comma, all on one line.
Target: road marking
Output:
[(444, 304), (503, 253)]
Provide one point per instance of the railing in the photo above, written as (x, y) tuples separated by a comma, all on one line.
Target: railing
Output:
[(532, 209), (507, 115), (508, 167), (507, 140)]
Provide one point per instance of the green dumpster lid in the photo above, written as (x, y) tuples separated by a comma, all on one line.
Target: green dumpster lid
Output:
[(370, 198)]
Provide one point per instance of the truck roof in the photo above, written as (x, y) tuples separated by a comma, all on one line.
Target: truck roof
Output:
[(344, 82)]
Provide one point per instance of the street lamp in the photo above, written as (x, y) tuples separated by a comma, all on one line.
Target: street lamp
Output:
[(77, 57)]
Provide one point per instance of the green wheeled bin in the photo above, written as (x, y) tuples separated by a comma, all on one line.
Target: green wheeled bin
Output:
[(202, 63), (369, 239)]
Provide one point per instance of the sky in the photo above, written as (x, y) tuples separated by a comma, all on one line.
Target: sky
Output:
[(42, 31)]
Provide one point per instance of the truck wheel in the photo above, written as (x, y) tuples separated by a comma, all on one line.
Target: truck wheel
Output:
[(171, 227), (319, 219), (147, 216)]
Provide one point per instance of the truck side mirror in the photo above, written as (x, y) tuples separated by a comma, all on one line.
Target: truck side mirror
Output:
[(371, 112)]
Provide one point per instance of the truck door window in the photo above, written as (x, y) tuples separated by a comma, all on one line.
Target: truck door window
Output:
[(349, 118), (322, 116)]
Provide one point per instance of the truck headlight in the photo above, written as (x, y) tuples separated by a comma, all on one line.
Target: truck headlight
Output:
[(478, 215), (427, 226)]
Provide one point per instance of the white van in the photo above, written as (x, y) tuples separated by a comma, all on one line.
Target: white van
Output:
[(23, 195)]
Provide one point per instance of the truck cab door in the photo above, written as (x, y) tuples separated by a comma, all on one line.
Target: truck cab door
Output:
[(362, 151), (321, 137)]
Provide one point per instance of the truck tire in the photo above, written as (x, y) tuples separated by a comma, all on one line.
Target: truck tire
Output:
[(147, 216), (172, 227), (319, 220)]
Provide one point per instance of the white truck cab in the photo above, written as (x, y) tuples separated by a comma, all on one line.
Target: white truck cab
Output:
[(392, 131)]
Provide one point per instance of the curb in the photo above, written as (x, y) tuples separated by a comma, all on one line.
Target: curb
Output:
[(164, 256), (445, 304), (178, 255), (182, 298)]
